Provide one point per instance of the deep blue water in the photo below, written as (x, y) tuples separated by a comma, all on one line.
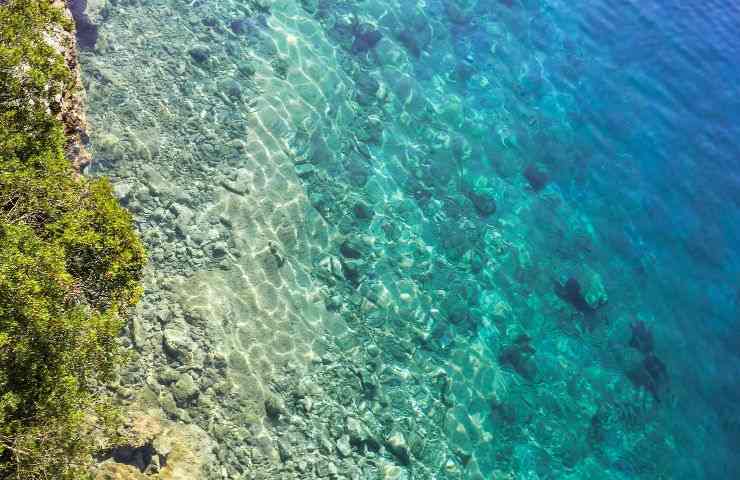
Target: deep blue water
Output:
[(638, 105)]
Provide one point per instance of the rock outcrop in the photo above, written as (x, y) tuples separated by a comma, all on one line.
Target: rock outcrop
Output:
[(156, 449), (72, 113)]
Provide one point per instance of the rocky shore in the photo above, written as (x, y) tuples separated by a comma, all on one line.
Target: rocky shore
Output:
[(72, 113), (153, 447)]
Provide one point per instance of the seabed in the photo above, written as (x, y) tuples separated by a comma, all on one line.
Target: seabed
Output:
[(387, 241)]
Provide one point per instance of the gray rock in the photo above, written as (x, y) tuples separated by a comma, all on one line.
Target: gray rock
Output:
[(200, 54), (304, 169), (343, 446), (138, 332), (359, 433), (240, 184), (168, 375), (196, 238), (231, 88), (393, 472), (163, 315), (484, 202), (177, 342), (158, 214), (157, 184), (326, 468), (185, 388), (122, 191), (167, 402), (219, 249), (145, 198), (134, 206), (274, 406), (96, 10), (183, 196), (184, 214), (266, 448), (396, 444)]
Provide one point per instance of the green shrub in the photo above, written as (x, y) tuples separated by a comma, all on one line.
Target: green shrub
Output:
[(70, 265)]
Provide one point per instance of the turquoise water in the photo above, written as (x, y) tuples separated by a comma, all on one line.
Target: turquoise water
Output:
[(529, 212)]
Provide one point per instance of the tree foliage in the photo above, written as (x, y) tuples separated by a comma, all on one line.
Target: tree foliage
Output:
[(70, 263)]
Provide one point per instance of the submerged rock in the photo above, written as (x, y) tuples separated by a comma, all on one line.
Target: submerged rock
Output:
[(642, 337), (343, 446), (367, 88), (219, 249), (199, 54), (362, 210), (571, 292), (594, 290), (365, 40), (536, 178), (184, 389), (177, 342), (519, 357), (359, 434), (460, 12), (357, 171), (651, 374), (484, 202), (87, 14), (408, 40), (154, 448), (274, 407), (232, 89), (244, 26), (353, 248), (396, 444)]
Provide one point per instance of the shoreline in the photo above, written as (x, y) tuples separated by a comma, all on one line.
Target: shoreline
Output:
[(72, 114)]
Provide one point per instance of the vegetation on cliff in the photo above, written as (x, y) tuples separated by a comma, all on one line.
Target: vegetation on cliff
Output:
[(70, 262)]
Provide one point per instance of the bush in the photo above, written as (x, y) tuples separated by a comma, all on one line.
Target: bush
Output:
[(70, 266)]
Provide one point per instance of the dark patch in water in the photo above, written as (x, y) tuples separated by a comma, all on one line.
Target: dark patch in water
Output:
[(87, 32), (572, 293), (84, 137), (262, 20), (200, 54), (249, 26), (484, 203), (598, 426), (408, 40), (244, 26), (651, 374), (363, 211), (642, 337), (139, 457), (519, 357), (536, 178), (365, 41), (464, 71)]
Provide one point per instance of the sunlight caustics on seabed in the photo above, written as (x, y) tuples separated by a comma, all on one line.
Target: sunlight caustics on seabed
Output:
[(441, 239)]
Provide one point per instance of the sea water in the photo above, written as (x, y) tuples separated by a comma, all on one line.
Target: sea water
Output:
[(501, 235)]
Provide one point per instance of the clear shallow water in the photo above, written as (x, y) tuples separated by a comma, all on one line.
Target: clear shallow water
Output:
[(533, 207)]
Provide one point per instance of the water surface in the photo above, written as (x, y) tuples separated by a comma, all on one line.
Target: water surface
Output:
[(515, 222)]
